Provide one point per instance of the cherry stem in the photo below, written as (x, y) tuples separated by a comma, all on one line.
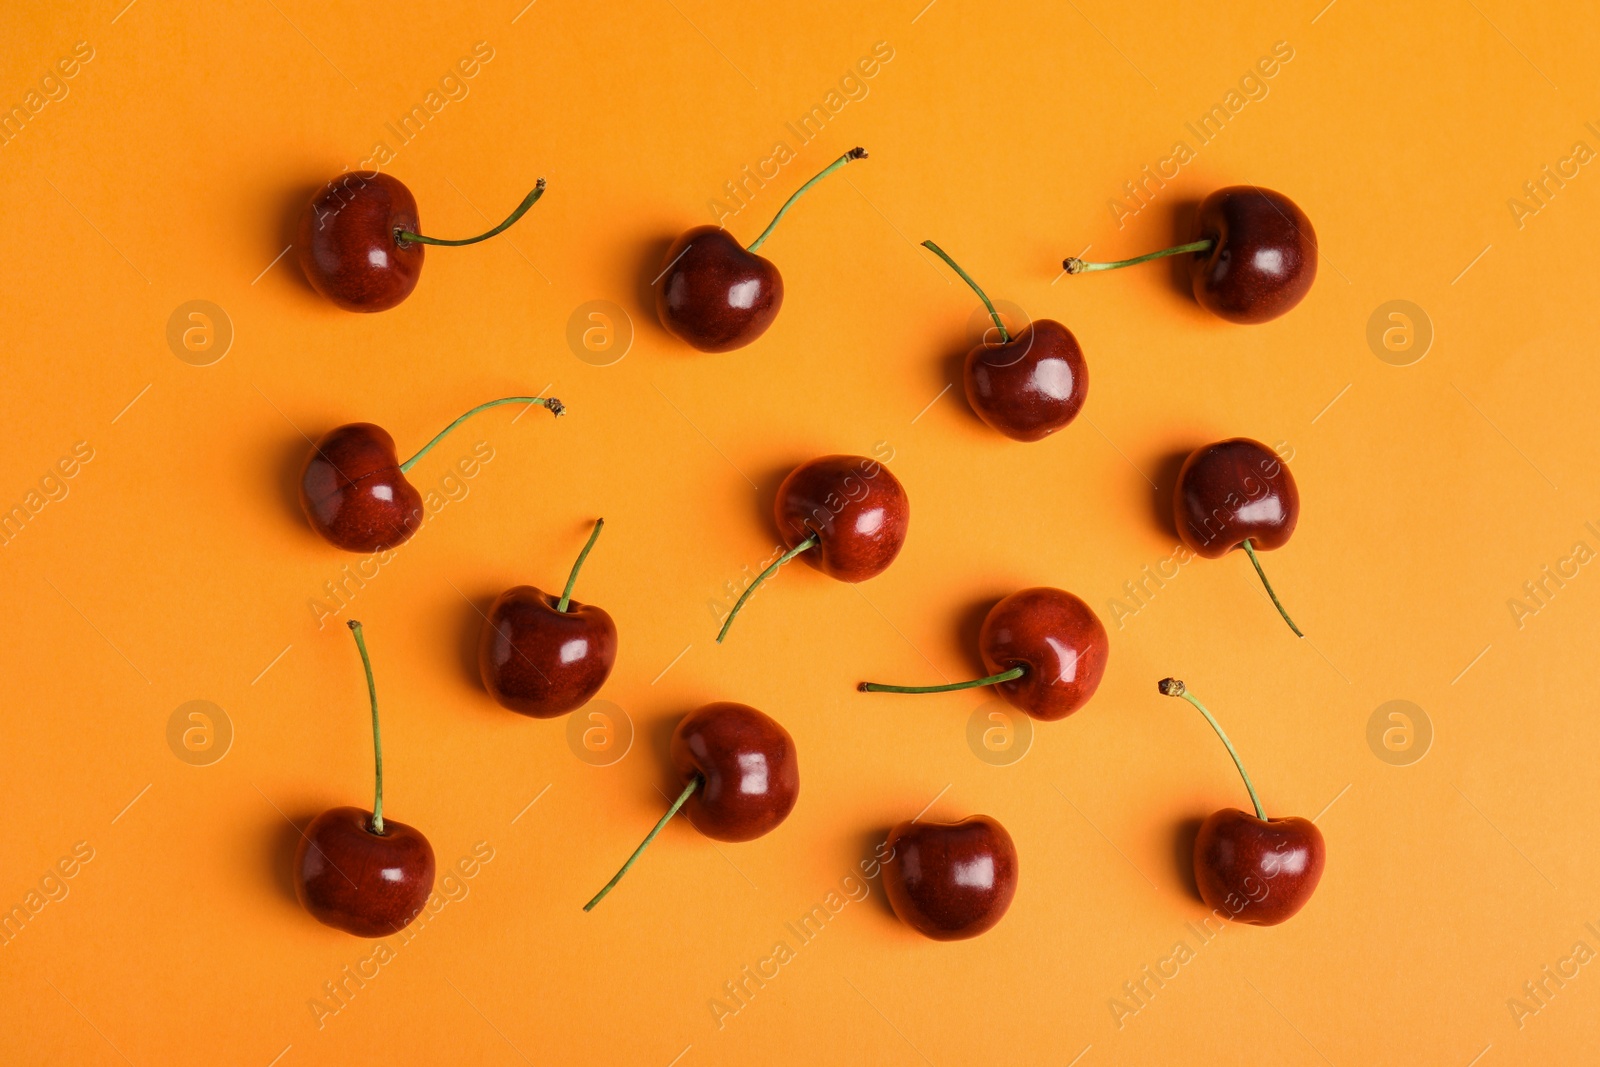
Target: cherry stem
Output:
[(809, 543), (854, 153), (1005, 338), (993, 679), (683, 798), (1250, 551), (377, 735), (407, 237), (1074, 265), (572, 579), (1172, 687), (557, 408)]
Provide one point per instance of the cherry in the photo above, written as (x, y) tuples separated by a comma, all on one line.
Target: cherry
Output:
[(1258, 870), (1254, 259), (741, 777), (850, 509), (354, 870), (543, 656), (950, 881), (717, 296), (358, 241), (1237, 493), (1027, 386), (1045, 648), (354, 490)]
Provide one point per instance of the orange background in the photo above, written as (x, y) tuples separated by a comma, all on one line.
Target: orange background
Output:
[(178, 566)]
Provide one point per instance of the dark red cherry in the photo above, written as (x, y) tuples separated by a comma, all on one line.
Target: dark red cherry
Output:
[(1045, 650), (545, 655), (1031, 386), (355, 870), (354, 490), (1257, 871), (951, 881), (846, 514), (714, 294), (1254, 258), (358, 241), (740, 773)]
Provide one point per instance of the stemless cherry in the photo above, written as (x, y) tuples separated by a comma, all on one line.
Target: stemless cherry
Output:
[(1254, 258), (950, 881), (716, 296), (741, 777), (1027, 386), (354, 489), (1046, 651), (358, 241), (1255, 869), (545, 656), (1237, 494), (849, 509), (356, 871)]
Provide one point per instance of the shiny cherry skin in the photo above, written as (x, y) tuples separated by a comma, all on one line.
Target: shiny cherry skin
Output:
[(951, 881), (857, 509), (543, 662), (1233, 490), (1060, 641), (1031, 386), (1264, 258), (746, 762), (1257, 871), (363, 883), (715, 295), (347, 244), (353, 492)]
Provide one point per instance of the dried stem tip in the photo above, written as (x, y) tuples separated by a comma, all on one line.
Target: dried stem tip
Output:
[(1171, 687)]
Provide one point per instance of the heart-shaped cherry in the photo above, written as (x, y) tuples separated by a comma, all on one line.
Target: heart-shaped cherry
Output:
[(1046, 650), (1237, 494), (1254, 869), (950, 881), (741, 777), (1255, 256), (353, 869), (354, 489), (717, 296), (849, 508), (1027, 386), (545, 656), (358, 241)]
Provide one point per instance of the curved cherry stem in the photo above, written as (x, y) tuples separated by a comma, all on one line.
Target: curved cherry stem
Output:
[(853, 154), (683, 798), (1172, 687), (407, 237), (1074, 265), (377, 735), (556, 407), (1250, 551), (993, 679), (804, 546), (1005, 338), (572, 579)]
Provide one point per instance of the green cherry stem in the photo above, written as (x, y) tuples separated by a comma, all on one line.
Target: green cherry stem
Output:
[(1172, 687), (1250, 551), (804, 546), (377, 735), (853, 154), (556, 407), (407, 237), (993, 679), (572, 579), (683, 798), (1005, 338), (1074, 265)]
